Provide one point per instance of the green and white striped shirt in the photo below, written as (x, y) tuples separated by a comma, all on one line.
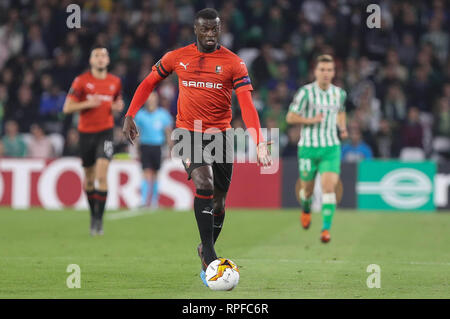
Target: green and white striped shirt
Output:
[(311, 100)]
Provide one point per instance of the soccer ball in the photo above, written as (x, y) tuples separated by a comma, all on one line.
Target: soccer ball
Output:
[(222, 274)]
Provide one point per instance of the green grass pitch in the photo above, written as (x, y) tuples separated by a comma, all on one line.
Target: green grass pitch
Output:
[(153, 255)]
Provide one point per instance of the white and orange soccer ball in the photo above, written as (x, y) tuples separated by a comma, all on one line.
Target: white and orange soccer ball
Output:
[(222, 274)]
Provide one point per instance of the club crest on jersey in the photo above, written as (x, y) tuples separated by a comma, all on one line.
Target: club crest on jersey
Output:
[(218, 69)]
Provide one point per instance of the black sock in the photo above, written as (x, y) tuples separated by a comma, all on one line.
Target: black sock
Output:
[(218, 223), (203, 214), (92, 200), (101, 199)]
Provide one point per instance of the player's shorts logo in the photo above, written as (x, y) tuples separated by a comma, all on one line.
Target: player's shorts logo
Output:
[(108, 148)]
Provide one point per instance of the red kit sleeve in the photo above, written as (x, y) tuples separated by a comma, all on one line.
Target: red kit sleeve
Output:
[(250, 115), (160, 71)]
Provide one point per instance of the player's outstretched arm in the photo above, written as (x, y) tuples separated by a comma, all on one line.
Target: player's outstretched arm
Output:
[(140, 96), (294, 118), (251, 120), (71, 106), (342, 124)]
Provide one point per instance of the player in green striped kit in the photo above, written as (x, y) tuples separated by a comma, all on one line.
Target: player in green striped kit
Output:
[(320, 108)]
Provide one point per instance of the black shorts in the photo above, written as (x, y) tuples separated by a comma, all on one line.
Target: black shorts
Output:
[(96, 145), (202, 149), (150, 156)]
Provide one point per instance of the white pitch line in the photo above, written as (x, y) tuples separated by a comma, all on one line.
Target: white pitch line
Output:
[(301, 261), (421, 263), (129, 214)]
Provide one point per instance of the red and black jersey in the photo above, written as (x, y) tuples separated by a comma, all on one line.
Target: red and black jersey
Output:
[(84, 87), (205, 82)]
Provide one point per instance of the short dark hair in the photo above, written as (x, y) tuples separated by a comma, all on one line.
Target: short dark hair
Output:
[(207, 13), (98, 46), (323, 58)]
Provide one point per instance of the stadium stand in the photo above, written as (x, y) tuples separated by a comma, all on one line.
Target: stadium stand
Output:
[(386, 71)]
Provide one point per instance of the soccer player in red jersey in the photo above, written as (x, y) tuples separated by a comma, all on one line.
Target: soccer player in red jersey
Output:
[(207, 73), (96, 94)]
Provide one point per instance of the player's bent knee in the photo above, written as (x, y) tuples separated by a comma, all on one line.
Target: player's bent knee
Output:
[(203, 178), (308, 192), (308, 189), (204, 184), (329, 188), (202, 181)]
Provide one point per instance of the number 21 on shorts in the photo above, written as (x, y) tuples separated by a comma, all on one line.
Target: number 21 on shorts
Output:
[(305, 164)]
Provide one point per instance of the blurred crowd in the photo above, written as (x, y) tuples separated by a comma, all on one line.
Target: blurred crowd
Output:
[(397, 77)]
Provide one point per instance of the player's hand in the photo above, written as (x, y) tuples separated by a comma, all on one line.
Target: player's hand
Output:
[(94, 101), (343, 132), (130, 130), (118, 105), (263, 154), (317, 119)]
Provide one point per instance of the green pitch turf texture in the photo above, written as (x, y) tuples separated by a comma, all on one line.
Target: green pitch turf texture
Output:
[(153, 255)]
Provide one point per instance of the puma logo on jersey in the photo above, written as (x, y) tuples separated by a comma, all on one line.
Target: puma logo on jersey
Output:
[(184, 65), (90, 86)]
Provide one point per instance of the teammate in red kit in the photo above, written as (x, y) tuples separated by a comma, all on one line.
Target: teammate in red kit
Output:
[(96, 94), (207, 73)]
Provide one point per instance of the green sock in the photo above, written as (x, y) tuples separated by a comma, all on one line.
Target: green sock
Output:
[(306, 202), (328, 209)]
